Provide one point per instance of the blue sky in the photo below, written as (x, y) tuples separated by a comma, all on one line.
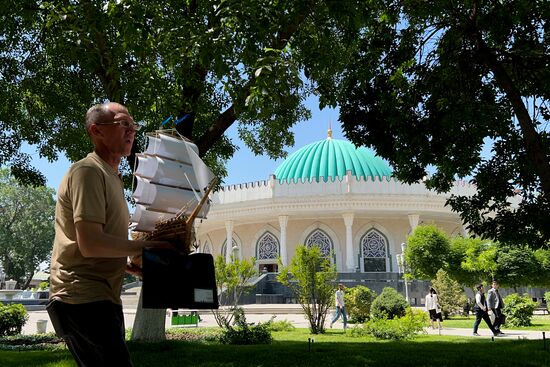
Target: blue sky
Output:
[(244, 166)]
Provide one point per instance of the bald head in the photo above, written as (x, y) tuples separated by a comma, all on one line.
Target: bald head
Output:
[(103, 113)]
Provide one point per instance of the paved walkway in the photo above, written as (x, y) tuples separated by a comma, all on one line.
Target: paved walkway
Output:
[(292, 313)]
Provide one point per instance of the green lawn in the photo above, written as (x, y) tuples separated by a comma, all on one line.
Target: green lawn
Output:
[(331, 349), (541, 323)]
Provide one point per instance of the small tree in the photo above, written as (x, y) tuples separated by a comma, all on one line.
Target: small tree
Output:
[(449, 293), (358, 302), (310, 277), (232, 280)]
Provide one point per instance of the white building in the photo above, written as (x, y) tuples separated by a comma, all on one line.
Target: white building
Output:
[(332, 195)]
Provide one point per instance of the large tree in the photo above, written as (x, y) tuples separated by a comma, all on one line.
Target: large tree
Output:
[(209, 64), (436, 82), (26, 228)]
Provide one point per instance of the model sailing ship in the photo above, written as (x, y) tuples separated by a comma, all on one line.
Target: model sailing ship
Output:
[(172, 189)]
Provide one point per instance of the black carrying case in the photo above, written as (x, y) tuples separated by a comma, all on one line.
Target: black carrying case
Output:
[(173, 280)]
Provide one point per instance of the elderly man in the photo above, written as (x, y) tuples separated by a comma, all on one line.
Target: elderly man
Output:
[(91, 244)]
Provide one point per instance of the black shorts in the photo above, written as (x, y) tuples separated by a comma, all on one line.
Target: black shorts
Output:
[(93, 332), (434, 315)]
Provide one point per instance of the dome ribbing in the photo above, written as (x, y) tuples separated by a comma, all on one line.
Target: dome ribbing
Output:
[(331, 158)]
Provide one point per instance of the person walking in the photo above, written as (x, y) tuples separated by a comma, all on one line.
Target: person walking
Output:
[(340, 307), (480, 309), (433, 308), (495, 304), (91, 245)]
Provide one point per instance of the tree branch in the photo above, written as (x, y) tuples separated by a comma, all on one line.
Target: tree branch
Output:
[(229, 116)]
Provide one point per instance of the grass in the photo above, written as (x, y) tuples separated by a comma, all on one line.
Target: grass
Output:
[(539, 322), (334, 348)]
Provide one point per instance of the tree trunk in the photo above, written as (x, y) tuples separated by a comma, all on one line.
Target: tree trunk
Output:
[(148, 324)]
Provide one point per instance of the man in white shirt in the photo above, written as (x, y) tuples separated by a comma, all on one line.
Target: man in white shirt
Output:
[(340, 306)]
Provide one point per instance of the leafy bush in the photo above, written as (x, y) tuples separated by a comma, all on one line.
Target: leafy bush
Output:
[(547, 299), (401, 328), (12, 319), (388, 305), (243, 333), (519, 309), (358, 302), (281, 325), (196, 335)]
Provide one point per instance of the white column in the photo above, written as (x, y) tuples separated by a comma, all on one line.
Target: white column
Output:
[(283, 221), (228, 240), (348, 220), (413, 220)]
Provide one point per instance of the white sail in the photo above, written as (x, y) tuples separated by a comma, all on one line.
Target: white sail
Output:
[(166, 172), (171, 179), (145, 220)]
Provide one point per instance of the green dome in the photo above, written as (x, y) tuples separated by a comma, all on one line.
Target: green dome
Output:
[(331, 158)]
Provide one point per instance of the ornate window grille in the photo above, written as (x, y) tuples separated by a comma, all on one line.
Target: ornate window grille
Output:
[(320, 239), (267, 247), (373, 247)]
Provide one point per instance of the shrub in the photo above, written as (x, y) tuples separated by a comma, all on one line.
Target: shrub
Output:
[(388, 305), (358, 302), (243, 333), (281, 325), (402, 328), (12, 319), (547, 300), (519, 309), (197, 335)]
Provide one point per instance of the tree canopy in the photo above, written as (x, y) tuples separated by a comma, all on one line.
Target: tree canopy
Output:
[(26, 228), (470, 260), (206, 64), (437, 82), (426, 252)]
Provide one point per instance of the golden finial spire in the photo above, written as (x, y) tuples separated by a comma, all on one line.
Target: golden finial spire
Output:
[(329, 130)]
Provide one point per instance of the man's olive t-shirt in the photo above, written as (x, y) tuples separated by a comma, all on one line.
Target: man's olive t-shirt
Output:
[(91, 191)]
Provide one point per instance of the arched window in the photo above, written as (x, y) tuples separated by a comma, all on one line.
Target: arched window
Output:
[(224, 247), (267, 247), (373, 248), (320, 239)]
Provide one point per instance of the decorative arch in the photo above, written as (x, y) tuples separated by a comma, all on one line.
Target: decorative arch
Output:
[(332, 235), (374, 250), (321, 239), (267, 247), (236, 242)]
